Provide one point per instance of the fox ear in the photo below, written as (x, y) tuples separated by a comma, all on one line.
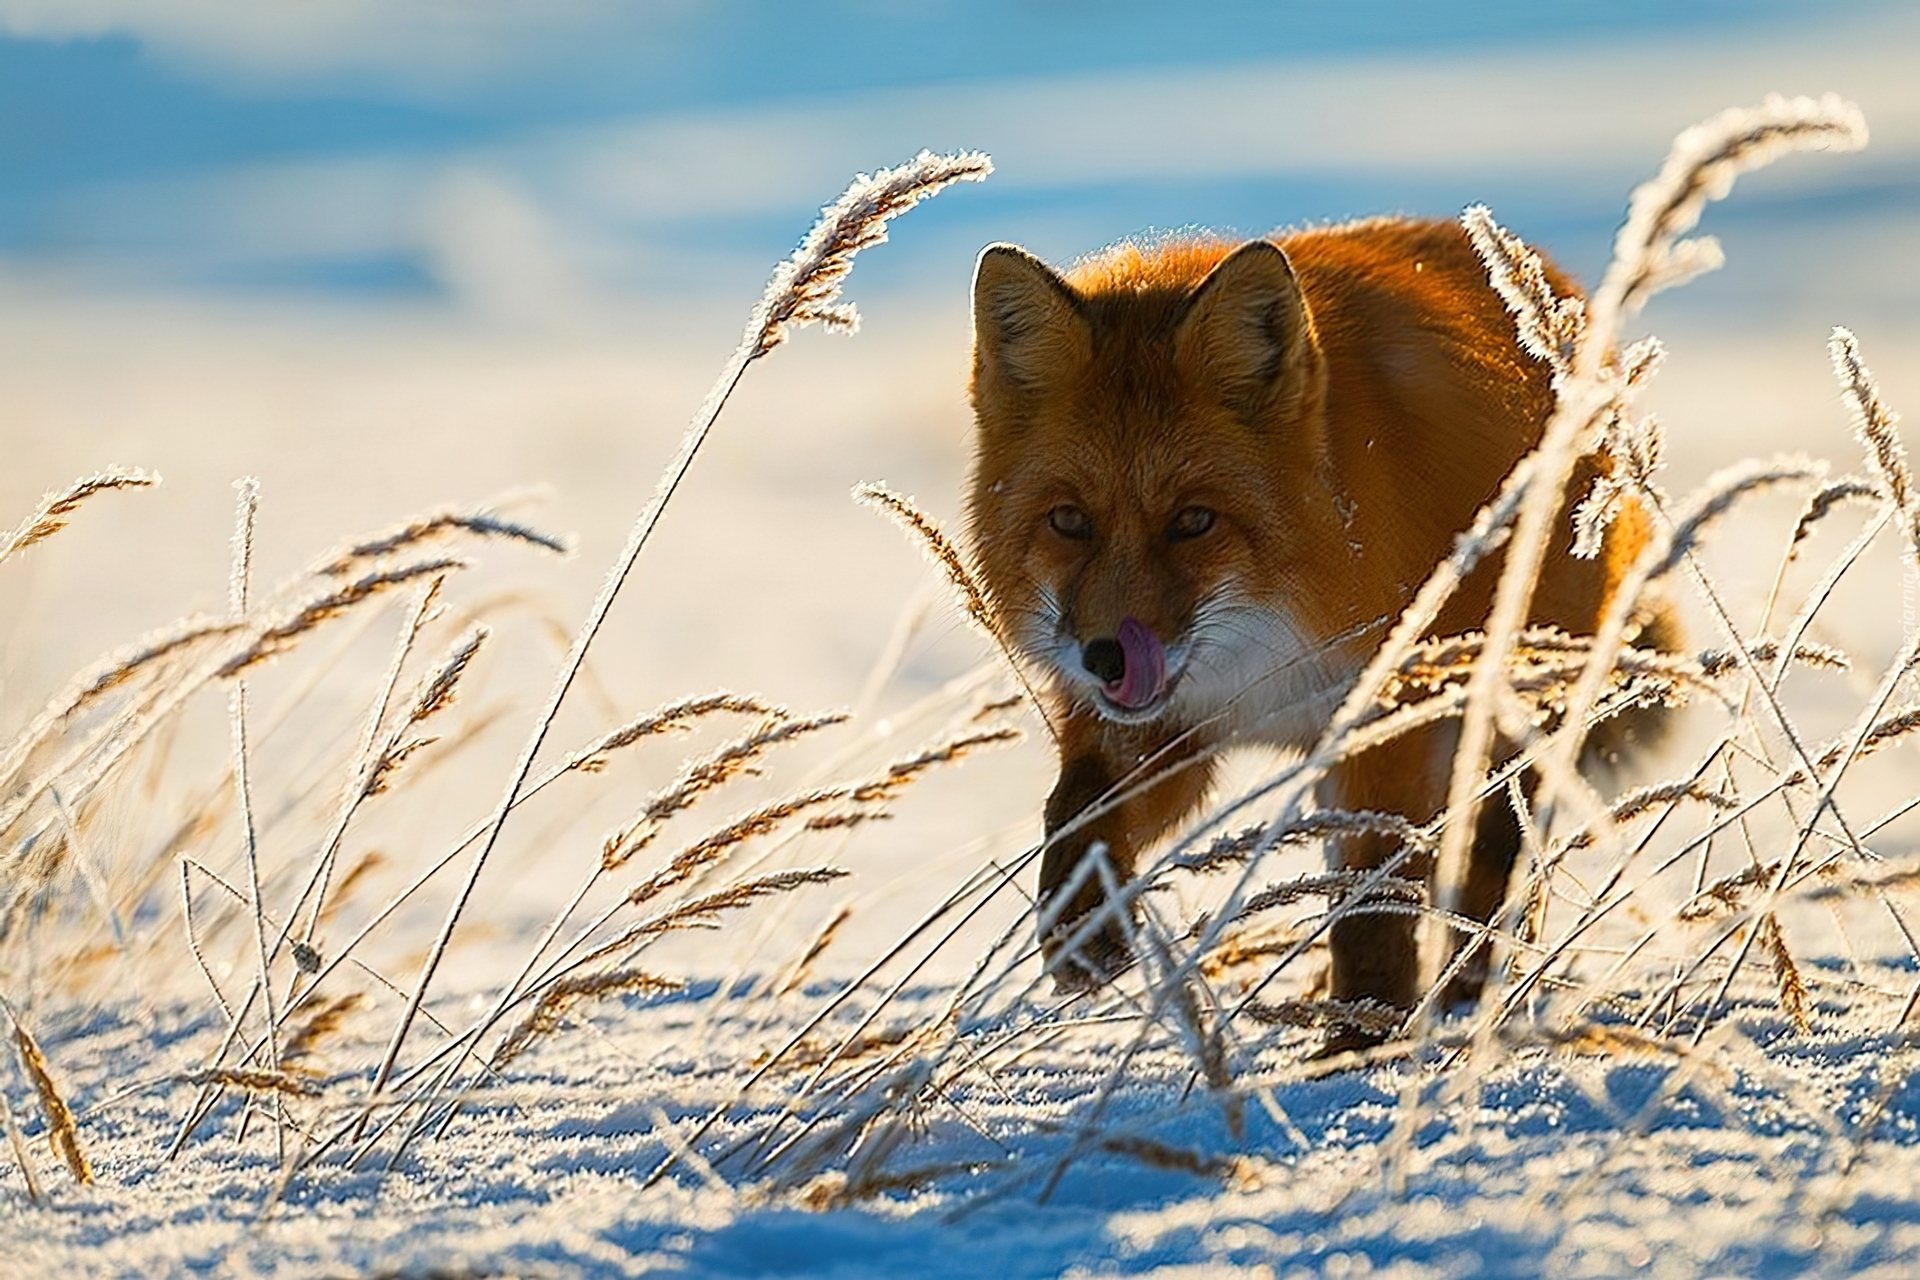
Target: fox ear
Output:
[(1027, 325), (1246, 328)]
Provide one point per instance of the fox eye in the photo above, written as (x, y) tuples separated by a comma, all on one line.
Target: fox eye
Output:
[(1190, 522), (1070, 521)]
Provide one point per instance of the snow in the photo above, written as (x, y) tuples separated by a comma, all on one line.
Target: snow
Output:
[(1557, 1164)]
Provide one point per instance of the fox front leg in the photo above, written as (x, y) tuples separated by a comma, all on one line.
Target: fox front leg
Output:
[(1375, 956), (1119, 792)]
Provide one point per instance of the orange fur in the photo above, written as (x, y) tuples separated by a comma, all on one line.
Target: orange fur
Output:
[(1256, 453)]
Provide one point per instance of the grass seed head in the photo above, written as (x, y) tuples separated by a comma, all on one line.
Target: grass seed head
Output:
[(701, 776), (285, 629), (1706, 160), (434, 526), (559, 997), (51, 516), (673, 718), (805, 289), (63, 1135), (973, 598), (256, 1080)]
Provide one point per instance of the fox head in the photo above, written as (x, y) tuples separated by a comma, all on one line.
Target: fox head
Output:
[(1149, 508)]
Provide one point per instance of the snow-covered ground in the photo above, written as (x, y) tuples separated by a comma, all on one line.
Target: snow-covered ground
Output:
[(1770, 1154)]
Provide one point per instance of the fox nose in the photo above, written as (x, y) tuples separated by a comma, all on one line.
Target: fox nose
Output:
[(1106, 659)]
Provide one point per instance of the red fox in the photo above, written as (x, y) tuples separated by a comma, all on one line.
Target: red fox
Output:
[(1208, 478)]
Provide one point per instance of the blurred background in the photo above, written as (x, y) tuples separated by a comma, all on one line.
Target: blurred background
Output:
[(390, 255)]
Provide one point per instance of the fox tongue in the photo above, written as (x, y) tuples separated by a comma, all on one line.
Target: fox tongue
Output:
[(1145, 677)]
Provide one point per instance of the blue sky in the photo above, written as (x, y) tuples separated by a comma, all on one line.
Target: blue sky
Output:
[(531, 160)]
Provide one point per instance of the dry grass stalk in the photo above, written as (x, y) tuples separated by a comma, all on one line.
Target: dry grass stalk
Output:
[(1792, 988), (1246, 947), (1877, 427), (1201, 1035), (673, 717), (797, 974), (938, 546), (278, 634), (1888, 729), (805, 289), (123, 664), (201, 649), (50, 517), (1240, 1171), (1729, 893), (306, 1031), (802, 290), (953, 563), (704, 912), (1885, 730), (391, 760), (563, 994), (91, 870), (867, 1127), (712, 847), (1542, 666), (239, 583), (1643, 800), (363, 866), (435, 694), (63, 1135), (1336, 884), (1598, 1039), (815, 1051), (699, 777), (1822, 502), (193, 939), (846, 819), (1633, 451), (1549, 327), (276, 1083), (1852, 886), (1579, 405), (21, 1156), (1369, 1016), (1720, 662), (1239, 846), (148, 655), (831, 1190), (175, 652), (366, 761), (430, 527), (902, 773), (1639, 361), (1705, 161), (246, 515), (1722, 490)]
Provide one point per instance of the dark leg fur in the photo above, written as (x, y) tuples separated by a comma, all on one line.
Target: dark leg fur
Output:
[(1083, 783), (1376, 955), (1099, 799), (1496, 847)]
